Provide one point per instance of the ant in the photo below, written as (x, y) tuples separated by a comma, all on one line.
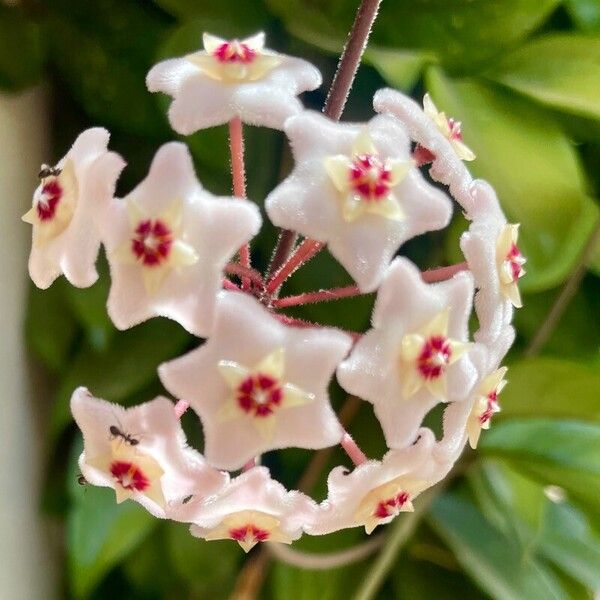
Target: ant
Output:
[(187, 499), (81, 480), (126, 437), (48, 171)]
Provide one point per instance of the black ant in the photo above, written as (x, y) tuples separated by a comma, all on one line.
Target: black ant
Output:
[(187, 499), (126, 437), (48, 171), (81, 480)]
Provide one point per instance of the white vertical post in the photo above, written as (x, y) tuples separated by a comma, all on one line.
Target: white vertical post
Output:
[(26, 565)]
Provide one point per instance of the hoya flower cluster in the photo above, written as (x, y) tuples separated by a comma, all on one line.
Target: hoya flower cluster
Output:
[(260, 380)]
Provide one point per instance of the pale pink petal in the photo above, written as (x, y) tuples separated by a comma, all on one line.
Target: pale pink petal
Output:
[(245, 333), (371, 371), (308, 201), (212, 227), (159, 436)]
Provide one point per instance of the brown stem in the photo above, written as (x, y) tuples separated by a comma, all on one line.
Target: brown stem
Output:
[(350, 59), (306, 250), (319, 296), (285, 244), (238, 175), (443, 273)]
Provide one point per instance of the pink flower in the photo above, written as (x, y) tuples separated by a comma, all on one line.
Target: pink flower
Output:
[(168, 242), (141, 453), (355, 188), (415, 355), (254, 508), (232, 78), (377, 491), (67, 206), (258, 384), (490, 247)]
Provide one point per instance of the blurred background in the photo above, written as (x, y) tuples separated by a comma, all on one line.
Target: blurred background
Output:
[(520, 519)]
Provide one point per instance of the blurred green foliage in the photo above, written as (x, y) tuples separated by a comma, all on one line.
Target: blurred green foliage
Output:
[(524, 78)]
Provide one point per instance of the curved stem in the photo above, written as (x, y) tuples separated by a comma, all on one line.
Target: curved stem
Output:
[(400, 531), (238, 174), (323, 562), (244, 272)]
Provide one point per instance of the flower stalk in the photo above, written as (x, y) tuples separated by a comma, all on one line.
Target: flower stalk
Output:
[(238, 175)]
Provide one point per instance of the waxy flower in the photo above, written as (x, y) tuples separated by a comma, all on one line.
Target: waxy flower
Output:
[(495, 261), (415, 355), (355, 188), (375, 492), (449, 128), (141, 453), (232, 78), (254, 508), (67, 205), (433, 145), (168, 242), (259, 383), (485, 405)]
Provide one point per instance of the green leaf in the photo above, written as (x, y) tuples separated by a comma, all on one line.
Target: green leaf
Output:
[(50, 327), (577, 334), (560, 70), (89, 307), (461, 33), (422, 580), (128, 365), (400, 68), (585, 13), (559, 532), (551, 387), (493, 560), (100, 534), (193, 560), (103, 51), (534, 168), (22, 51), (563, 453), (228, 18)]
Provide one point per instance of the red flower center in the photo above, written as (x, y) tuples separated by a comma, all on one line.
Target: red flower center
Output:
[(259, 395), (234, 52), (435, 357), (129, 476), (491, 408), (152, 242), (370, 177), (515, 261), (52, 192), (455, 132), (248, 533), (391, 506)]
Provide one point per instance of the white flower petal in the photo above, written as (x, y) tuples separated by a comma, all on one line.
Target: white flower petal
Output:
[(246, 333), (209, 231)]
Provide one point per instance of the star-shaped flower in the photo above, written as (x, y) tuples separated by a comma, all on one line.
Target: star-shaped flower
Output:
[(254, 508), (449, 128), (67, 205), (232, 78), (495, 260), (436, 139), (485, 405), (168, 242), (141, 453), (259, 382), (415, 355), (375, 492), (355, 188), (464, 420)]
